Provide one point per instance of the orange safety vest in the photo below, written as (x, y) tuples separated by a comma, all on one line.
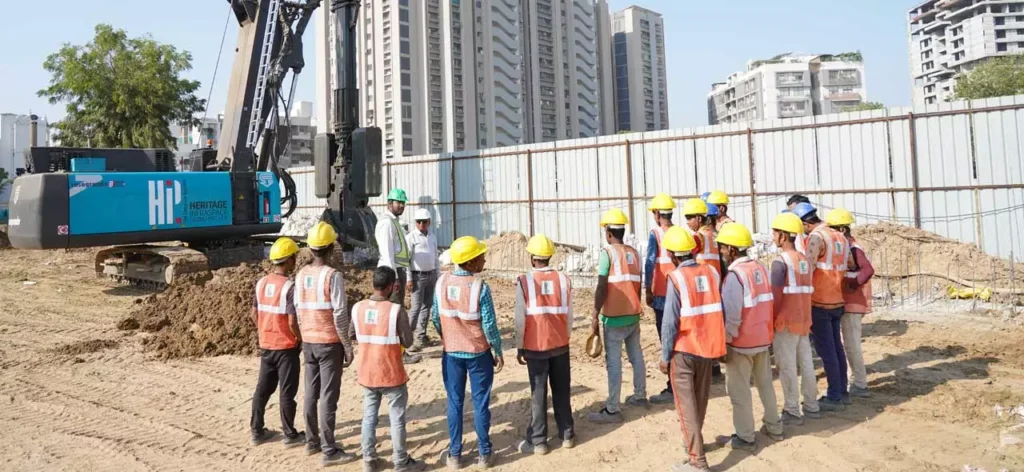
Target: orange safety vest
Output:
[(801, 243), (722, 220), (756, 326), (795, 305), (462, 329), (662, 265), (830, 268), (275, 332), (547, 309), (857, 300), (624, 279), (380, 348), (313, 305), (709, 254), (701, 321)]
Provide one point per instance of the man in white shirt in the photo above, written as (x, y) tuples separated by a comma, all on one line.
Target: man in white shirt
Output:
[(394, 252), (422, 245)]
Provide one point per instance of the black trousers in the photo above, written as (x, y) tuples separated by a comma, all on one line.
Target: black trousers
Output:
[(277, 369), (555, 371)]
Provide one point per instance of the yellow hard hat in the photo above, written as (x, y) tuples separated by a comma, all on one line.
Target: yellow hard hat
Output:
[(615, 218), (662, 202), (789, 223), (839, 217), (718, 197), (321, 235), (695, 206), (678, 240), (735, 235), (466, 249), (540, 246), (282, 249)]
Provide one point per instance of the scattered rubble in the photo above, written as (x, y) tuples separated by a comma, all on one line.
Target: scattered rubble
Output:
[(85, 347), (298, 225)]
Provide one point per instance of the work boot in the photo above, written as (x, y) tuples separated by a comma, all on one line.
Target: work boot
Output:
[(527, 447), (410, 358), (814, 415), (337, 457), (605, 417), (859, 392), (638, 401), (295, 441), (790, 419), (370, 465), (847, 400), (262, 436), (312, 448), (662, 398), (689, 467), (416, 347), (773, 436), (410, 465), (827, 404), (569, 442), (485, 461), (734, 442), (446, 458)]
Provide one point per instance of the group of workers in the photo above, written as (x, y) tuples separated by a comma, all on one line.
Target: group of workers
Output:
[(713, 304)]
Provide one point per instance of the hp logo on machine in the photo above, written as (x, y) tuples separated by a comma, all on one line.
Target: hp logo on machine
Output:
[(163, 196)]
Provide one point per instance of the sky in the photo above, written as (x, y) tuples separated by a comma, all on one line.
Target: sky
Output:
[(704, 42)]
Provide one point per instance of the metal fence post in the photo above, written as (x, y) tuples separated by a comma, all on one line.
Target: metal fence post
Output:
[(915, 183), (455, 217), (529, 187), (750, 164), (629, 186)]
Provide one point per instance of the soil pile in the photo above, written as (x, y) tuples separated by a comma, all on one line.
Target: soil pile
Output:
[(85, 347), (507, 251), (210, 316)]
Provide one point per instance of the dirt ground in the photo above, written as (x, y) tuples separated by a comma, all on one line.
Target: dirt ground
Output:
[(76, 393)]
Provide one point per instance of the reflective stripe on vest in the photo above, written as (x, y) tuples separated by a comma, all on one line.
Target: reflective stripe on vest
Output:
[(857, 300), (402, 258), (459, 309), (756, 328), (831, 267), (624, 281), (313, 305), (547, 310), (662, 265), (701, 321), (274, 327), (380, 349), (794, 310), (709, 254)]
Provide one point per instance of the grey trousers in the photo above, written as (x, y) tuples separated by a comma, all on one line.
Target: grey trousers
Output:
[(323, 386), (614, 338), (398, 400), (422, 302), (398, 296)]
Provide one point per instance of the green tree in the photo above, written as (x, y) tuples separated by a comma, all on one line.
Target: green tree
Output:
[(121, 91), (4, 178), (865, 106), (996, 77)]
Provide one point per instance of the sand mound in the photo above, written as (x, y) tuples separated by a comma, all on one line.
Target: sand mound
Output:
[(507, 251), (85, 347), (211, 316)]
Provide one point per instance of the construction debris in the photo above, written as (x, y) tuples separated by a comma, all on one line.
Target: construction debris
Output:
[(507, 251), (298, 225), (85, 347)]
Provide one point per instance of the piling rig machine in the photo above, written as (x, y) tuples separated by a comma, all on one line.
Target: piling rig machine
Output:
[(158, 223)]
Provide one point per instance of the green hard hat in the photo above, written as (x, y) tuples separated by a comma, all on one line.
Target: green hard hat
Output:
[(397, 194)]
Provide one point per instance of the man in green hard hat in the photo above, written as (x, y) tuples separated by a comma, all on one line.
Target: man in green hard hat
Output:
[(394, 251)]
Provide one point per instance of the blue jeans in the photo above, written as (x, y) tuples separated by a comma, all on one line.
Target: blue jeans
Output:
[(398, 400), (614, 338), (826, 328), (480, 370)]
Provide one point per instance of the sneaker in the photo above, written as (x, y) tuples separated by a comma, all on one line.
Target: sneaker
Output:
[(370, 465), (410, 358), (638, 401), (260, 437), (295, 441), (485, 461), (790, 419), (445, 458), (312, 448), (771, 435), (814, 415), (338, 457), (527, 447), (734, 442), (605, 417), (410, 465), (664, 397), (856, 391), (827, 404), (569, 443), (847, 400), (688, 467)]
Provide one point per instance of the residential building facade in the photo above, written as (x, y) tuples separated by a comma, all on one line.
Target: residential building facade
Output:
[(949, 37), (789, 86), (15, 139), (641, 86)]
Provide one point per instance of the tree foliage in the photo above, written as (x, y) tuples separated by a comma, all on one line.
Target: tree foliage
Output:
[(121, 91), (996, 77), (865, 106)]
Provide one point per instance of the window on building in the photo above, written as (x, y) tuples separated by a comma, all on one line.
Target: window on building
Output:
[(404, 47), (406, 79), (403, 15), (1000, 34), (406, 64), (1001, 47), (406, 145), (406, 112), (999, 21), (403, 31), (406, 96)]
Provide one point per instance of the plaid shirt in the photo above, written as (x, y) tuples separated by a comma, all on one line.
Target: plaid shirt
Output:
[(487, 317)]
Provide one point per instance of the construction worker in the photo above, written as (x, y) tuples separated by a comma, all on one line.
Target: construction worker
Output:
[(464, 317), (695, 211), (791, 291), (422, 245), (708, 233), (656, 270), (273, 311), (617, 307), (801, 239), (391, 244), (856, 299), (719, 199), (326, 348), (693, 311), (747, 302), (711, 219), (829, 250), (543, 322), (382, 329)]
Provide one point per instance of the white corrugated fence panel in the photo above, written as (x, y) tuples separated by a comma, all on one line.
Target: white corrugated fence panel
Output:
[(722, 162), (950, 213), (853, 156), (899, 136), (611, 164), (1003, 222), (944, 147), (784, 160)]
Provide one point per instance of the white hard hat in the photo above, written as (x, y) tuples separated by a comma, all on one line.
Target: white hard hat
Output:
[(421, 214)]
